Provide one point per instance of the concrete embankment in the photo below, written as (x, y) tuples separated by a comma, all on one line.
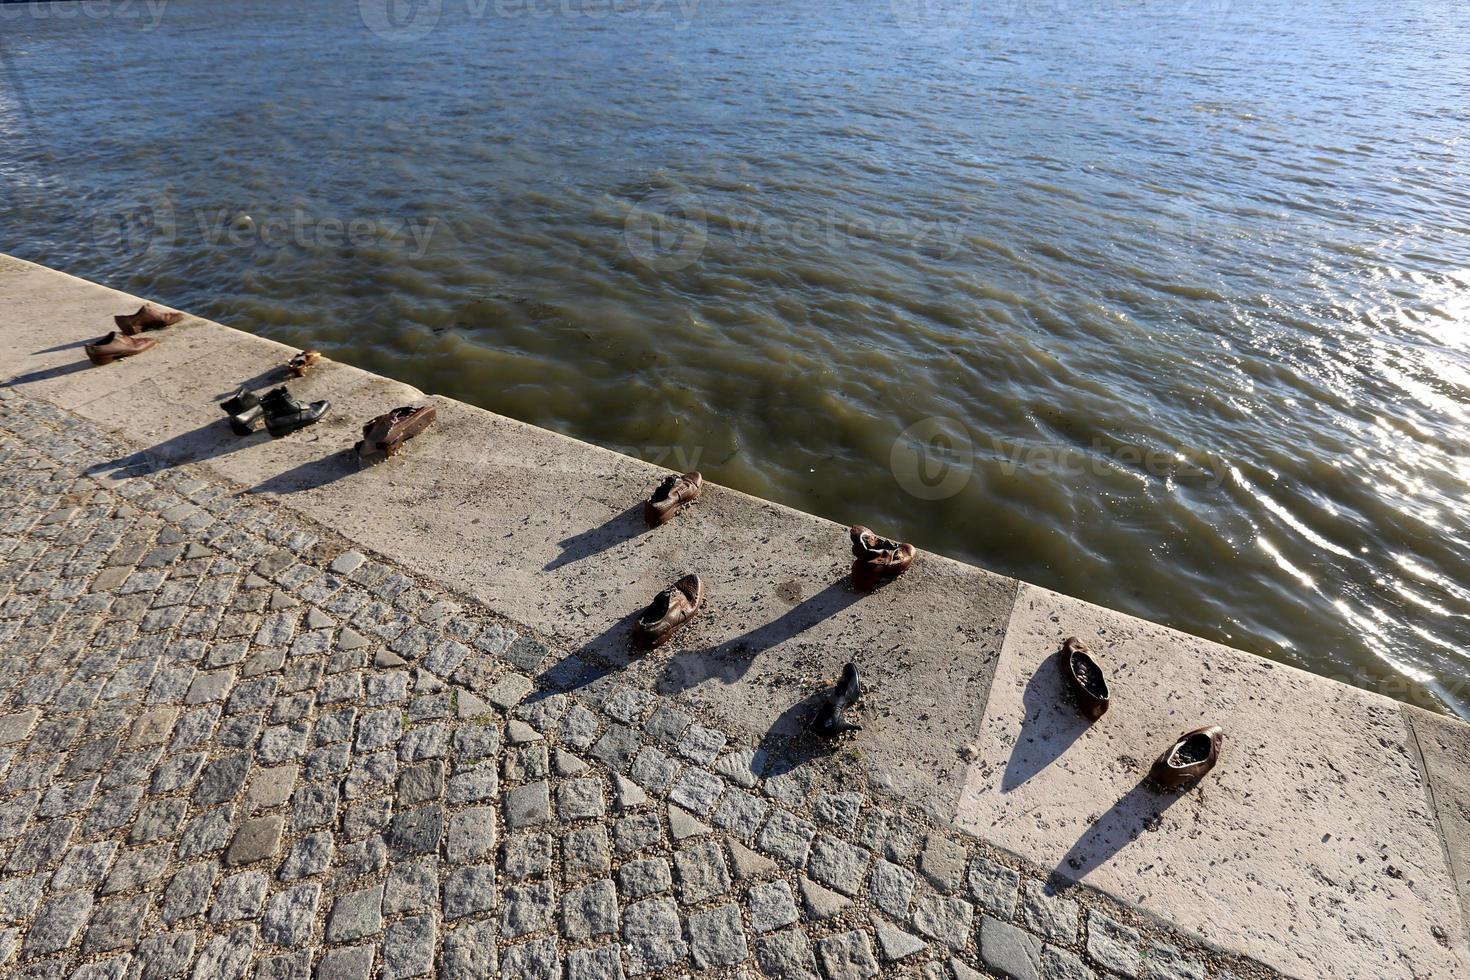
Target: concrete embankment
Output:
[(1331, 840)]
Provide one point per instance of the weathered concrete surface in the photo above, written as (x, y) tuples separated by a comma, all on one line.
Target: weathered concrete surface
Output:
[(545, 529), (1311, 845)]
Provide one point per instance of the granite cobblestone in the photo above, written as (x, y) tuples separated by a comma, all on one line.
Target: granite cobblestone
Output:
[(240, 747)]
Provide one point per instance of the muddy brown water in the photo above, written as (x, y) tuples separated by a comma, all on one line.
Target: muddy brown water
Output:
[(1164, 305)]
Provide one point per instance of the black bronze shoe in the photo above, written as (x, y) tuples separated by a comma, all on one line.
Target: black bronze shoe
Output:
[(1084, 678), (284, 414), (244, 411), (828, 721)]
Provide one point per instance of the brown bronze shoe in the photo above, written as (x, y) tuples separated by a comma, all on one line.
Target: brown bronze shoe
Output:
[(670, 609), (150, 316), (301, 363), (877, 559), (115, 346), (385, 435), (1084, 678), (673, 493), (1189, 758)]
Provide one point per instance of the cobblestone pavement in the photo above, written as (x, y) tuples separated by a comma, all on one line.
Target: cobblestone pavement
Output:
[(231, 747)]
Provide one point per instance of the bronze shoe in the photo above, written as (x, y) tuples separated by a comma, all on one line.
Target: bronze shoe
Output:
[(670, 609), (385, 435), (115, 346), (301, 363), (1084, 676), (877, 559), (673, 493), (150, 316), (1189, 758)]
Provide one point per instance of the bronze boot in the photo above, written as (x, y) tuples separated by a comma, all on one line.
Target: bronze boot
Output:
[(877, 559), (669, 610), (150, 316), (670, 495), (115, 346)]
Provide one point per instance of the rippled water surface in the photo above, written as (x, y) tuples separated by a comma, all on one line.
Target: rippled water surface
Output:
[(1160, 304)]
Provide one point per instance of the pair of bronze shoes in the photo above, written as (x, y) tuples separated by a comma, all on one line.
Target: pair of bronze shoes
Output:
[(877, 560), (680, 602), (125, 340), (1192, 755), (383, 436)]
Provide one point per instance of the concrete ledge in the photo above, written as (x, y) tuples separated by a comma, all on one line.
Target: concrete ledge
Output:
[(1322, 845)]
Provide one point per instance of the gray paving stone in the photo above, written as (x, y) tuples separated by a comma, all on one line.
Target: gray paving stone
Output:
[(787, 837), (534, 960), (256, 840), (309, 855), (165, 955), (771, 906), (944, 918), (408, 947), (586, 852), (838, 809), (818, 902), (188, 891), (471, 835), (1058, 964), (527, 908), (684, 825), (525, 855), (890, 888), (697, 791), (1010, 951), (943, 862), (598, 963), (83, 866), (895, 944), (652, 937), (417, 831), (837, 864), (1166, 962), (653, 770), (994, 887), (702, 872), (356, 915), (716, 937), (589, 911), (347, 963), (57, 923), (290, 915), (226, 957), (787, 954), (469, 952), (469, 890), (239, 896), (115, 925), (848, 956), (639, 879), (1113, 944), (527, 806), (1048, 914)]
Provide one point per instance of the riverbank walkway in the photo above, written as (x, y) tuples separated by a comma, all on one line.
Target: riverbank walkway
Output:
[(264, 714)]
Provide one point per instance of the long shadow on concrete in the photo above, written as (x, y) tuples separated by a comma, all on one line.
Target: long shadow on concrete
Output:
[(594, 541), (1049, 725), (788, 744), (210, 440), (1139, 810), (310, 475), (729, 661), (46, 374), (61, 347)]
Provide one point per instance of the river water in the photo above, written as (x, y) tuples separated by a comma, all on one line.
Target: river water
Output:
[(1162, 304)]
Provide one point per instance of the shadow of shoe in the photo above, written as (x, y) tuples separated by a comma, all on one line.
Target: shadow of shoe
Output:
[(729, 661), (789, 744), (47, 374), (594, 541), (1050, 723), (1139, 810), (61, 347), (310, 475), (210, 440)]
